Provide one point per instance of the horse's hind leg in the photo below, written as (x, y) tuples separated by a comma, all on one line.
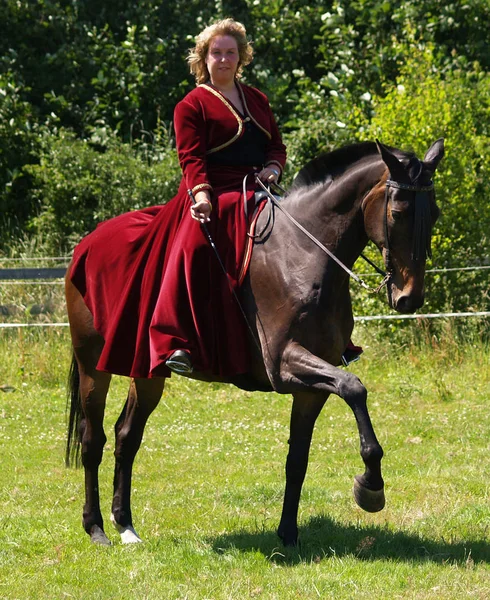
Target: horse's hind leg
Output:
[(89, 393), (93, 391), (305, 410), (143, 397)]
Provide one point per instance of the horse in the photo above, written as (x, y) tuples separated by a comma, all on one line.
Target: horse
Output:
[(297, 303)]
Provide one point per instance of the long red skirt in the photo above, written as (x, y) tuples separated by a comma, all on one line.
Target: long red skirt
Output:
[(154, 285)]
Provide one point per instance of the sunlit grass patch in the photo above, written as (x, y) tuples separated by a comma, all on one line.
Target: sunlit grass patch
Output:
[(209, 480)]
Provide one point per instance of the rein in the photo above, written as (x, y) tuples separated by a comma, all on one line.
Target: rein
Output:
[(421, 241), (318, 243)]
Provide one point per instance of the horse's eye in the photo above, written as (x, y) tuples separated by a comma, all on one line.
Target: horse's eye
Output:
[(399, 209), (397, 215)]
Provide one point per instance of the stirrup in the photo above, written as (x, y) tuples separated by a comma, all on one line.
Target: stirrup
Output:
[(180, 362)]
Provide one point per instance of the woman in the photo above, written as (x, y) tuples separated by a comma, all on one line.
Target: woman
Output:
[(156, 290)]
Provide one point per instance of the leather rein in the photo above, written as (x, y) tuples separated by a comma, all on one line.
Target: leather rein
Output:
[(421, 231)]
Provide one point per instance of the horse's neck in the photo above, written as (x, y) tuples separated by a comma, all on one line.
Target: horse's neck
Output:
[(331, 210)]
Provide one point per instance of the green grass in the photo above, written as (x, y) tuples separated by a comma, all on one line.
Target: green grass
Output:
[(209, 478)]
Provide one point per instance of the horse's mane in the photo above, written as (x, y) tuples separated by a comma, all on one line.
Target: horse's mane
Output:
[(332, 164)]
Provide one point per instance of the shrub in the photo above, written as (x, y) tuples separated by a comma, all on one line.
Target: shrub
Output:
[(19, 145), (78, 185), (424, 105)]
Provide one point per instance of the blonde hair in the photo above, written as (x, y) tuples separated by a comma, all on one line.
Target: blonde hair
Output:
[(197, 55)]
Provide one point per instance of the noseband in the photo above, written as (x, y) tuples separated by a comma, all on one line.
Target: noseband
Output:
[(421, 229)]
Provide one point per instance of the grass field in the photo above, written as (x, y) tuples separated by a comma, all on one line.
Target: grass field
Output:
[(209, 478)]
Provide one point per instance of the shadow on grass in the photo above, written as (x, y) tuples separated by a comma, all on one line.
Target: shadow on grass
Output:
[(323, 537)]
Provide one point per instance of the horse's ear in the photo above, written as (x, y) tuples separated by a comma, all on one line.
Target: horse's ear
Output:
[(434, 155), (395, 167)]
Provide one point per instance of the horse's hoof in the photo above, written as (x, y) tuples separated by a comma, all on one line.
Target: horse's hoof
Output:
[(369, 500), (97, 536), (129, 536), (127, 533)]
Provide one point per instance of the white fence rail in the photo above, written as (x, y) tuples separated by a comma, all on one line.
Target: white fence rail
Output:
[(361, 318), (38, 276)]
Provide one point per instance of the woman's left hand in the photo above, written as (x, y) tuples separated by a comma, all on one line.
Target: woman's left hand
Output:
[(269, 175)]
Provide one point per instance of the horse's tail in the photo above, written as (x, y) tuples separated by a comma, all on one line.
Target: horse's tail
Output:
[(74, 405)]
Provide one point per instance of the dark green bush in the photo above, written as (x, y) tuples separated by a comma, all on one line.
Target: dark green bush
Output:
[(19, 145), (76, 186), (335, 72)]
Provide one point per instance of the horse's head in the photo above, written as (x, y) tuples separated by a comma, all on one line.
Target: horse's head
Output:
[(399, 214)]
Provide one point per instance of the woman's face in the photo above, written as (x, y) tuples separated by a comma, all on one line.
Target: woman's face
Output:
[(222, 59)]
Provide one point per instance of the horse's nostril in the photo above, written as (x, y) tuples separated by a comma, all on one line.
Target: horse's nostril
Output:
[(409, 303)]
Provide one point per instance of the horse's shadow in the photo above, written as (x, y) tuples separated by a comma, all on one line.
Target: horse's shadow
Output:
[(322, 537)]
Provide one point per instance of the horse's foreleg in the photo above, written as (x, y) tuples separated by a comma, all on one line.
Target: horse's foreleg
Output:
[(143, 397), (93, 391), (305, 410), (302, 371), (368, 487)]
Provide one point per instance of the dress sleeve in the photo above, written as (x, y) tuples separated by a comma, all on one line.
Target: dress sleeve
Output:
[(190, 134), (276, 150)]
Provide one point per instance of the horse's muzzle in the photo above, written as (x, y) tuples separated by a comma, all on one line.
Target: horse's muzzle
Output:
[(408, 303)]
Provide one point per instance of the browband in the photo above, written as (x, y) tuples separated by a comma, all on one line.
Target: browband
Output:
[(409, 186)]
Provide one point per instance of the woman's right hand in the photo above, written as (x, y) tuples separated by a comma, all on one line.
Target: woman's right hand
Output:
[(201, 210)]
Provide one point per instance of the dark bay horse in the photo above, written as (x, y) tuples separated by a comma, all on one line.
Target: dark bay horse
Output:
[(296, 299)]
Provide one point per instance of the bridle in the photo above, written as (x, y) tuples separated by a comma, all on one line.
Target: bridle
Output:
[(421, 238), (421, 248)]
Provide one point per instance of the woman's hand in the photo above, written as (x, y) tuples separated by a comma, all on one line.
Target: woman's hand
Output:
[(269, 175), (201, 210)]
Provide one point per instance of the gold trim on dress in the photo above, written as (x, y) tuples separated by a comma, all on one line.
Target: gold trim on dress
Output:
[(234, 113), (247, 111), (201, 186)]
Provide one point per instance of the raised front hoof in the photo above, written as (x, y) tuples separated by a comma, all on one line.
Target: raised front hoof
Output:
[(369, 500), (289, 539), (97, 536)]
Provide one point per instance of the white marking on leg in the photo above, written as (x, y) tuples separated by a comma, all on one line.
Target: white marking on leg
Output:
[(128, 534), (98, 536)]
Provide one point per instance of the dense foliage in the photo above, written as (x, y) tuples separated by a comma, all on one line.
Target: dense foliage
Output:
[(87, 91)]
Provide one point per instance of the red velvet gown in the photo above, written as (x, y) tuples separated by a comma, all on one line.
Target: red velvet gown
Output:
[(150, 278)]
